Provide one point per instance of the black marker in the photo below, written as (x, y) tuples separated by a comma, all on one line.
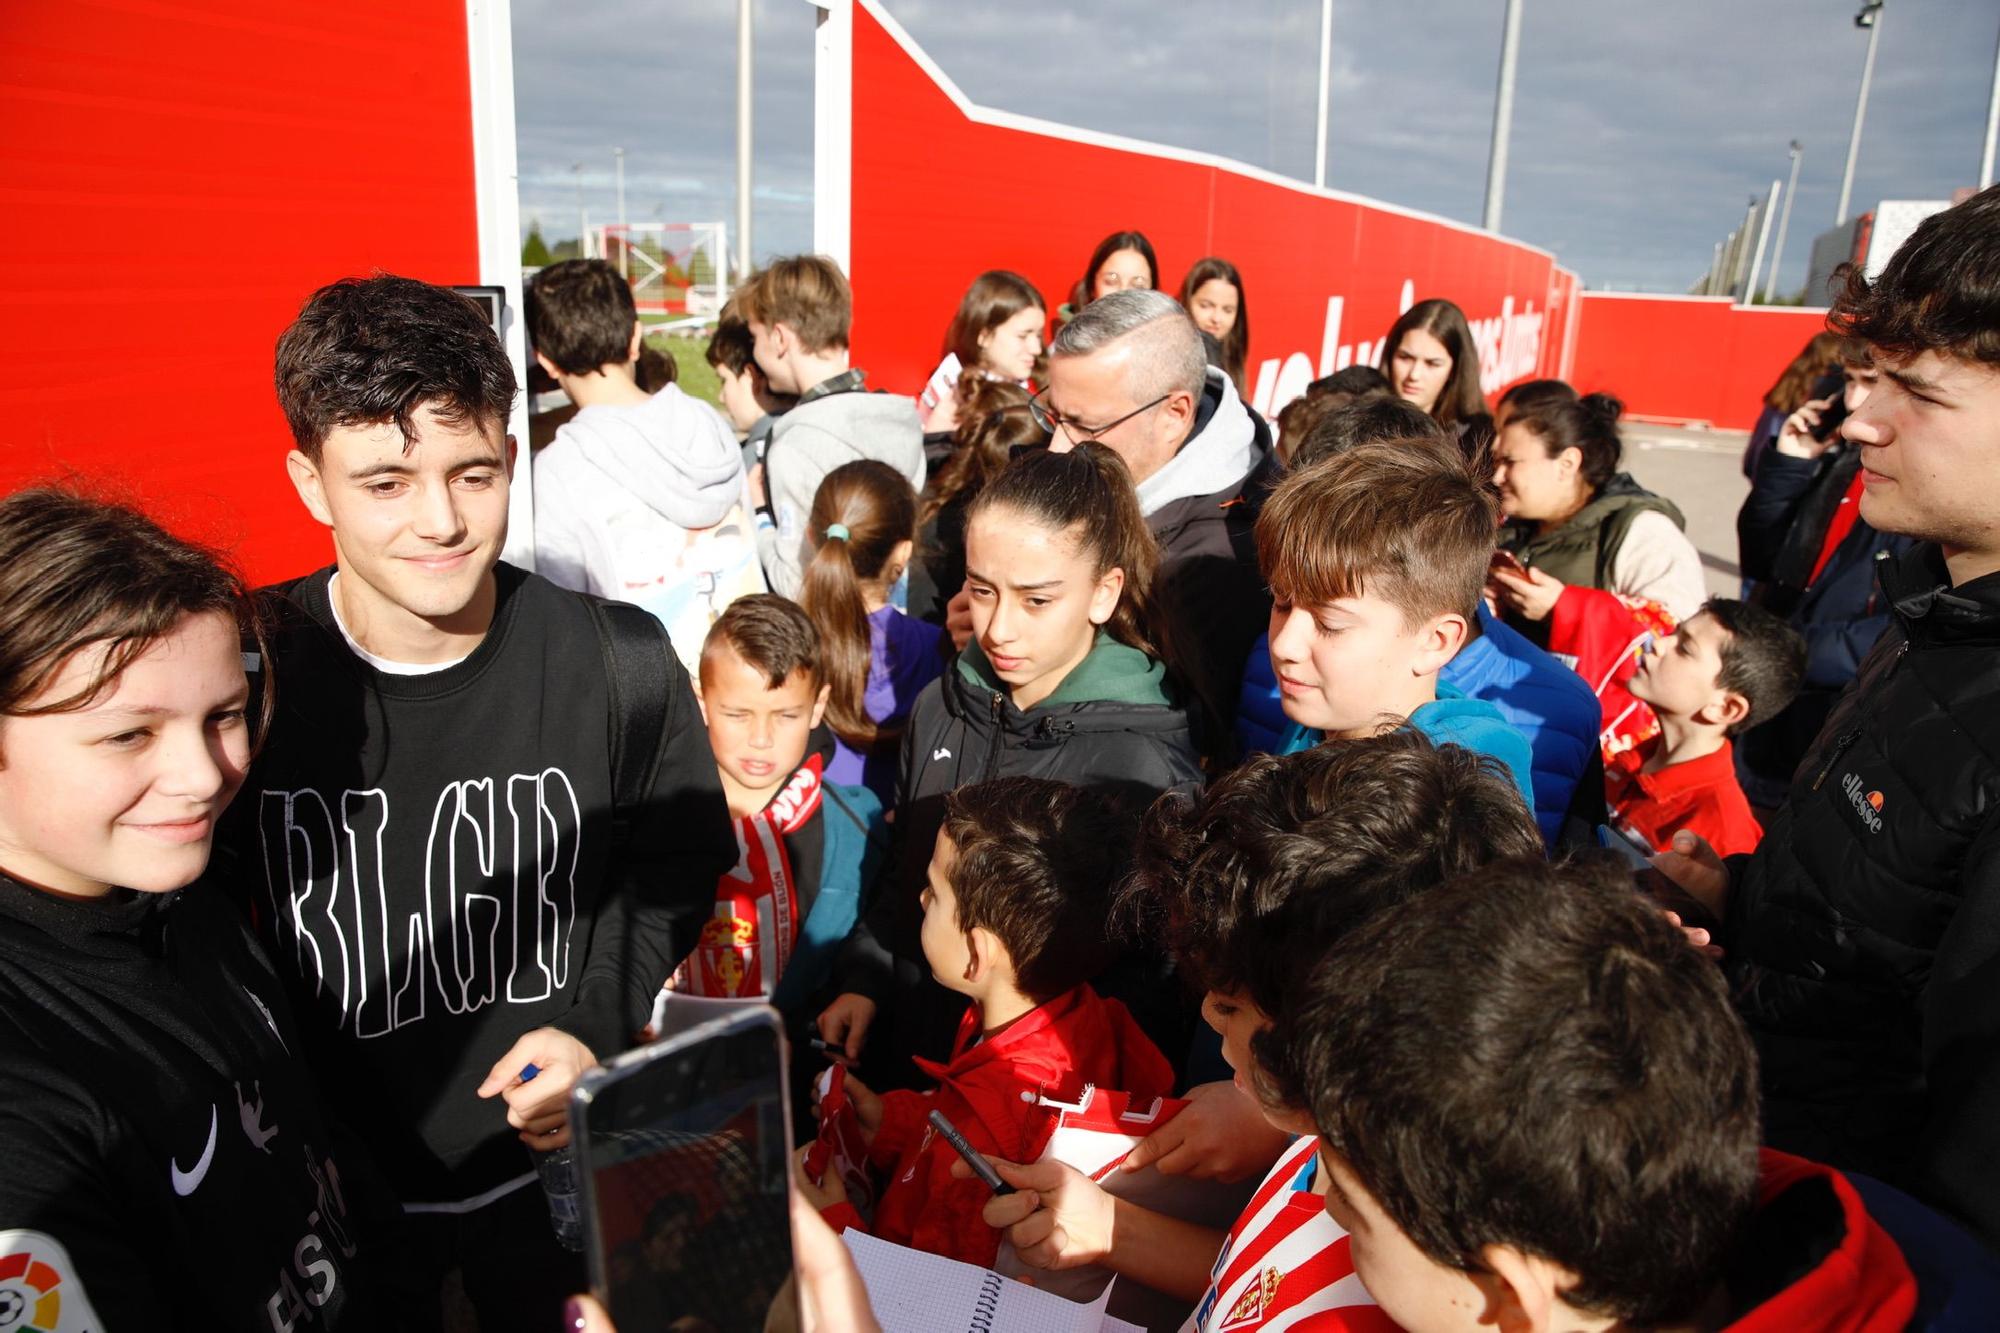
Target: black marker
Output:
[(980, 1166)]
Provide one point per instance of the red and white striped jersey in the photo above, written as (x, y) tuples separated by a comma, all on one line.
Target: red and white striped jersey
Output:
[(1285, 1264)]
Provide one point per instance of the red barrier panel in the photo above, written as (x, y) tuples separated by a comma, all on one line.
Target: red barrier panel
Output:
[(1690, 358), (177, 180), (939, 189)]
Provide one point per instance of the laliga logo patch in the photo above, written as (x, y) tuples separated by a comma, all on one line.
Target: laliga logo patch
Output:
[(1867, 804), (38, 1288)]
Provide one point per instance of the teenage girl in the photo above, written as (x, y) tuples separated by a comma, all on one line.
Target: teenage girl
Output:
[(876, 659), (167, 1163)]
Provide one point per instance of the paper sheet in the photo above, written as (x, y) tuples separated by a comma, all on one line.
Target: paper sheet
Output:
[(914, 1292)]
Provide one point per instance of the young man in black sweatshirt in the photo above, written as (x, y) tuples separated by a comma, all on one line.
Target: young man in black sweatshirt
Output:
[(443, 873)]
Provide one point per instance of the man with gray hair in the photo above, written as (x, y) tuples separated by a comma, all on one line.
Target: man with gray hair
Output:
[(1130, 373)]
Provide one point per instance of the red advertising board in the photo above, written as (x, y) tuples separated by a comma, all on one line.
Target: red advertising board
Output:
[(939, 189), (1687, 358), (177, 179)]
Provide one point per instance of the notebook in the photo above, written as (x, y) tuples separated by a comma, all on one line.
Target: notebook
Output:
[(914, 1292)]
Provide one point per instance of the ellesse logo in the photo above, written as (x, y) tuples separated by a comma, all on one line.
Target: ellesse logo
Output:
[(1867, 804)]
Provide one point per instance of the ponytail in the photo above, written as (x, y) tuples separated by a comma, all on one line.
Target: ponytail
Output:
[(862, 512), (1087, 494)]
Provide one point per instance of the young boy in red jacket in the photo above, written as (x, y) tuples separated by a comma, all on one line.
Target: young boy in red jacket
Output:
[(1014, 909), (1539, 1110), (1672, 705)]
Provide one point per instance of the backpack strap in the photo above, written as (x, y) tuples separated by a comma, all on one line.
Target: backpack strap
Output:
[(640, 676)]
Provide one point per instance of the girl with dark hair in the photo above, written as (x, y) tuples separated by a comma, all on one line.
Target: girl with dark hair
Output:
[(995, 422), (1122, 260), (996, 334), (874, 659), (1062, 679), (1430, 359), (167, 1157), (1571, 517), (1213, 293)]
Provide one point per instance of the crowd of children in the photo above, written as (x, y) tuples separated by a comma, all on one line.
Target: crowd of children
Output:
[(998, 815)]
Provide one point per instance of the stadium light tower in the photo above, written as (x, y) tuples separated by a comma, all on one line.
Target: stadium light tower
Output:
[(1992, 126), (1784, 222), (1326, 89), (1503, 117), (1870, 18), (743, 107)]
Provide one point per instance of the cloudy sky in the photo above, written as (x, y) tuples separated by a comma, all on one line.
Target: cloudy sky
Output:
[(1641, 127)]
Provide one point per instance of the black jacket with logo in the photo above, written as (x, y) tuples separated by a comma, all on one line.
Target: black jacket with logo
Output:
[(1863, 935), (167, 1162)]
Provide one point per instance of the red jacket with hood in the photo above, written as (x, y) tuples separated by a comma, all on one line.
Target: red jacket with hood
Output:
[(990, 1091), (1824, 1262)]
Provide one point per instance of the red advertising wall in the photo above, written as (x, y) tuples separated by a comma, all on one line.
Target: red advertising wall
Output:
[(1685, 357), (942, 189), (176, 179)]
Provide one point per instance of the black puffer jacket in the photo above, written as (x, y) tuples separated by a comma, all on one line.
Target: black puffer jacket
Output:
[(1109, 726), (1864, 933)]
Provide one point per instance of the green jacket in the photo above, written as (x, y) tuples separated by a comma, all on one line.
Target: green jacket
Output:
[(1580, 552)]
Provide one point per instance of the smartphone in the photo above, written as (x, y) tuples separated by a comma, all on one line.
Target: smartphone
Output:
[(1508, 561), (1829, 420), (1636, 853), (684, 1151)]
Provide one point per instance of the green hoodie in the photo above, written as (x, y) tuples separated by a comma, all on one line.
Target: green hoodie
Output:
[(1111, 672)]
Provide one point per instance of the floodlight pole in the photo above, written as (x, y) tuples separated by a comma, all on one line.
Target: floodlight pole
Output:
[(582, 218), (1784, 221), (1870, 18), (1326, 90), (743, 136), (624, 237), (1992, 125), (1503, 117)]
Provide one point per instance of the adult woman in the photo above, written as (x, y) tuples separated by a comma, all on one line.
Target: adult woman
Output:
[(1431, 361), (1121, 260), (1573, 517), (996, 333), (167, 1159), (1212, 291), (995, 422), (1811, 375)]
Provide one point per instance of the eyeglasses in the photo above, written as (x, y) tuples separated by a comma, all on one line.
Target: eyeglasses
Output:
[(1053, 422)]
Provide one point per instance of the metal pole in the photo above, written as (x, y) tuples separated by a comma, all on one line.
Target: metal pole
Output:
[(1763, 236), (1992, 125), (1503, 117), (1784, 221), (1870, 18), (1326, 91), (624, 236), (743, 138), (582, 221)]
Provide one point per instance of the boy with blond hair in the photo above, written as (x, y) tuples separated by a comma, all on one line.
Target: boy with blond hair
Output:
[(799, 309), (1376, 558)]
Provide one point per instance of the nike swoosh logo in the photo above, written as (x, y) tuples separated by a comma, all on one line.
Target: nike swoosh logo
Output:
[(187, 1182)]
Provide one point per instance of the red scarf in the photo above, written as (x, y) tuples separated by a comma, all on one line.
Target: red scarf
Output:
[(746, 944)]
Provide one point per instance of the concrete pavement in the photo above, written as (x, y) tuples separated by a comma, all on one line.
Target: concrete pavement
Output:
[(1702, 472)]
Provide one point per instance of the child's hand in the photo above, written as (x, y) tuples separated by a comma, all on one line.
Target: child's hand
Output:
[(1531, 595), (1057, 1217), (758, 498), (539, 1107), (1219, 1135), (845, 1022), (867, 1105), (1696, 936), (821, 1194)]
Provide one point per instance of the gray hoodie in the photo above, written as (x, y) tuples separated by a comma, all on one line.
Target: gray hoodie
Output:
[(811, 440), (646, 504)]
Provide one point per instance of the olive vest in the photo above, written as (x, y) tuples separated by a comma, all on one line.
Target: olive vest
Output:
[(1580, 552)]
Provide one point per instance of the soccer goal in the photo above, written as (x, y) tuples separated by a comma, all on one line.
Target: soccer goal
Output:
[(679, 270)]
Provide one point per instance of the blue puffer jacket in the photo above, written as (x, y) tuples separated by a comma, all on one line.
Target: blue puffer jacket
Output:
[(857, 842), (1537, 695), (1451, 719)]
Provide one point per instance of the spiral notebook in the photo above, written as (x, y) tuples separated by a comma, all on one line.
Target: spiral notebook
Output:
[(914, 1292)]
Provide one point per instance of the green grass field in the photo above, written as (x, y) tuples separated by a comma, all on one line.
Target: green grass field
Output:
[(696, 377)]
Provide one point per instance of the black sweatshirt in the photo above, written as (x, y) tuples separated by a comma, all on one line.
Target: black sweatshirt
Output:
[(166, 1155), (431, 856)]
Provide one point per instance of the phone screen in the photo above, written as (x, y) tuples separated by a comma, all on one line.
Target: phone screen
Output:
[(686, 1156)]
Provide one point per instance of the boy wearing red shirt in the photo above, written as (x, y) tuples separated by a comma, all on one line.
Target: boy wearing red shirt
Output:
[(1014, 909), (1724, 669)]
